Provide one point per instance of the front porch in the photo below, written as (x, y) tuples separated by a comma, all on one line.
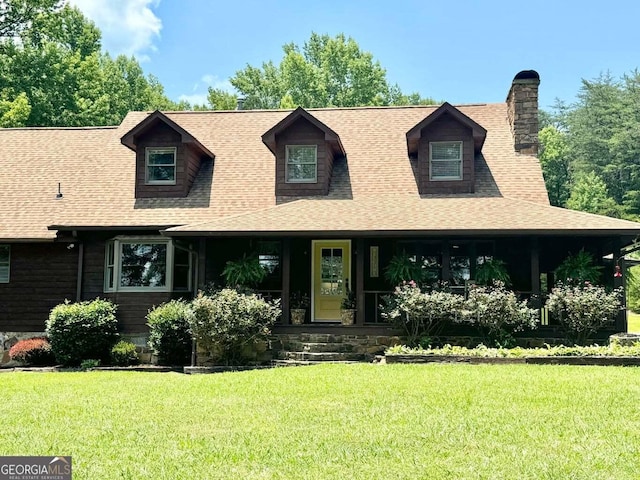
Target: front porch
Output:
[(325, 269)]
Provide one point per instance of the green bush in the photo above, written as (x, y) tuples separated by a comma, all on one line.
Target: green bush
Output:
[(420, 314), (497, 312), (583, 309), (170, 333), (78, 331), (34, 351), (124, 354), (228, 321)]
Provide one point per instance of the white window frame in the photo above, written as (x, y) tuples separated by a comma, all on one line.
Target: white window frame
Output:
[(150, 150), (315, 163), (458, 160), (6, 263), (115, 263)]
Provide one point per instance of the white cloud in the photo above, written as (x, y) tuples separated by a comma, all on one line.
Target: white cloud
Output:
[(128, 26), (197, 97)]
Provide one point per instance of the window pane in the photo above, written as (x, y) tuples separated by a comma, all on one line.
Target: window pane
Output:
[(161, 174), (445, 168), (161, 158), (143, 265), (301, 154), (181, 277), (446, 151), (5, 260), (301, 172)]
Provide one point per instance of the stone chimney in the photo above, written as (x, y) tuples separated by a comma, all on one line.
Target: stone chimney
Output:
[(522, 110)]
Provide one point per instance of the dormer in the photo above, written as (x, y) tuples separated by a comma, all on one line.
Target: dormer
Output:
[(305, 149), (445, 144), (167, 157)]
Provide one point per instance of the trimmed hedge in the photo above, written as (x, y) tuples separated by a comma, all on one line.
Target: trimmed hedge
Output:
[(83, 330), (169, 333)]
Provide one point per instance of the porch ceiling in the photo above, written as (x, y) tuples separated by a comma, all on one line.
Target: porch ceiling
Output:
[(409, 213)]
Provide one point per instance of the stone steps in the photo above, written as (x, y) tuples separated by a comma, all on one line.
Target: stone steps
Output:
[(319, 347), (322, 356)]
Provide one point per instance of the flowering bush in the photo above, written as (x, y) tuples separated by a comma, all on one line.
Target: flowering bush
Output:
[(32, 351), (124, 354), (418, 313), (498, 313), (583, 309), (227, 321)]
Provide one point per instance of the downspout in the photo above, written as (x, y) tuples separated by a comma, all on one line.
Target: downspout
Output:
[(79, 274)]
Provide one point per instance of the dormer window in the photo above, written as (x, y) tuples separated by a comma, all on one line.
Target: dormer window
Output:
[(445, 160), (302, 163), (160, 166)]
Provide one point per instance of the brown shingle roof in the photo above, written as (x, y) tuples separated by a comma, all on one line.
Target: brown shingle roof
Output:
[(97, 175)]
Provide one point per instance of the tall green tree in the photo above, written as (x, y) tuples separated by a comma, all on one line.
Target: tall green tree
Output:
[(325, 72), (54, 73), (589, 194), (554, 158), (16, 15)]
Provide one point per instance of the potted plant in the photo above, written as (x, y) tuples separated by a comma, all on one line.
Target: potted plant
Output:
[(298, 304), (348, 308)]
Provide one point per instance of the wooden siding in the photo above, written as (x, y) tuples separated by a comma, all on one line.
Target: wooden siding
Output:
[(301, 132), (443, 130), (187, 163), (41, 277)]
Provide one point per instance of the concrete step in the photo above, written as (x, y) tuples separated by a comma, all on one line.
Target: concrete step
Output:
[(300, 363), (319, 347), (322, 356)]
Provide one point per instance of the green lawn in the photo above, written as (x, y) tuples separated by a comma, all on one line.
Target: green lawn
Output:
[(634, 322), (438, 421)]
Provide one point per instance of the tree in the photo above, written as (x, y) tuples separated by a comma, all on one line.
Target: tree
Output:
[(325, 72), (554, 158), (16, 15), (589, 194), (54, 73)]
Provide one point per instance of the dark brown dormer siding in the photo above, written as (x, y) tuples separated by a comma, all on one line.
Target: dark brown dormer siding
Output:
[(302, 132), (446, 129), (187, 163)]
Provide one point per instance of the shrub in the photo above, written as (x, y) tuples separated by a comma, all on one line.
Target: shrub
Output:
[(420, 314), (497, 312), (90, 364), (229, 320), (34, 351), (583, 309), (78, 331), (124, 354), (170, 333)]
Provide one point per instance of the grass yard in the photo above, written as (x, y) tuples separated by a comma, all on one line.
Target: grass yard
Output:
[(439, 421), (633, 320)]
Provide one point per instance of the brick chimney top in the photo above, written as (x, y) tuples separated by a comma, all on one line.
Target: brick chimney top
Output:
[(522, 111)]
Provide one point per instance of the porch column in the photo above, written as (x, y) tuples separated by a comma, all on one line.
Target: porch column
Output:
[(360, 253), (446, 262), (202, 264), (535, 266), (618, 256), (286, 279)]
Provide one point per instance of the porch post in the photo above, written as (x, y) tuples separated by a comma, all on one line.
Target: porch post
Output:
[(360, 281), (286, 279), (446, 262), (535, 266), (621, 320), (202, 263)]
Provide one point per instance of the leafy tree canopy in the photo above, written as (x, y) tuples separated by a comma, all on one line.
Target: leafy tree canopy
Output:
[(325, 72), (52, 71)]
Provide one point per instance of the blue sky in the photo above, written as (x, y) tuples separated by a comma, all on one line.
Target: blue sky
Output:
[(455, 50)]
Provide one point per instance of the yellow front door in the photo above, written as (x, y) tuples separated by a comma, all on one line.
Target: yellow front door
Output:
[(331, 270)]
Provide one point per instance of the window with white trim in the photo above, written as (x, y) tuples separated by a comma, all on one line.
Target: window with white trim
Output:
[(302, 163), (146, 264), (445, 160), (5, 263), (160, 166)]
